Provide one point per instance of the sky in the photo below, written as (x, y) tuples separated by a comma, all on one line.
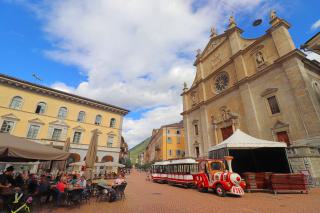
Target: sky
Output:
[(134, 54)]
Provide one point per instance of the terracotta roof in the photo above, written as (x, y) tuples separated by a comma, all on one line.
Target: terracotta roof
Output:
[(180, 125)]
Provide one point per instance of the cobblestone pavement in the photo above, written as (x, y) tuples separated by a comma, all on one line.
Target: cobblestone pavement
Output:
[(145, 196)]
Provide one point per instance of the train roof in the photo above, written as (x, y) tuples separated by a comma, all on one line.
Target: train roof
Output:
[(183, 161), (161, 163), (176, 161)]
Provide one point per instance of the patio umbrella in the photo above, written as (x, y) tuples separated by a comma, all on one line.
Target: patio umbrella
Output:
[(66, 146), (92, 153)]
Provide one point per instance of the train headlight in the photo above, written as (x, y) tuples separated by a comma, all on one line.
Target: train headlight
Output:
[(235, 179)]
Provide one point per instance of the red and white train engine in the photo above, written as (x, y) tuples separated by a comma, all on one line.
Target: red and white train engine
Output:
[(213, 174)]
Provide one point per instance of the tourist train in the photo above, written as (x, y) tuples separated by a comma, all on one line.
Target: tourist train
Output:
[(204, 174)]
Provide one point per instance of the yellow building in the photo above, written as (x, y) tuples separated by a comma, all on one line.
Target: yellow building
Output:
[(166, 143), (51, 116)]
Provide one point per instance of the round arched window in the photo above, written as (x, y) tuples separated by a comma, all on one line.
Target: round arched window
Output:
[(221, 82)]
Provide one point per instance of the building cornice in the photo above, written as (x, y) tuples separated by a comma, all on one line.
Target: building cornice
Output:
[(18, 83)]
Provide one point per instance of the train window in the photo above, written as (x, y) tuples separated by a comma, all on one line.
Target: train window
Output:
[(187, 169), (216, 166), (194, 168)]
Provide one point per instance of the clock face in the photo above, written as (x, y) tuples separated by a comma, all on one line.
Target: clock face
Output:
[(221, 82)]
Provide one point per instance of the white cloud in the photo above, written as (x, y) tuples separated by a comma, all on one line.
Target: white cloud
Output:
[(135, 129), (63, 87), (132, 51), (315, 25)]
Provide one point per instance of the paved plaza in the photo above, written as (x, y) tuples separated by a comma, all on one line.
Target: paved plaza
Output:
[(145, 196)]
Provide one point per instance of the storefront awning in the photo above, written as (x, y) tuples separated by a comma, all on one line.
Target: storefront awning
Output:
[(21, 148)]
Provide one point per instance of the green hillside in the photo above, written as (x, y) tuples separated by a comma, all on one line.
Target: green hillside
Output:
[(136, 150)]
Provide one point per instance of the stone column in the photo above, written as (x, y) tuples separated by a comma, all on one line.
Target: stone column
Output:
[(251, 115), (298, 79), (281, 36), (187, 137), (204, 125)]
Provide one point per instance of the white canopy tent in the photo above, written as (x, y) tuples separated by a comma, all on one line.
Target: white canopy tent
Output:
[(252, 154), (240, 139)]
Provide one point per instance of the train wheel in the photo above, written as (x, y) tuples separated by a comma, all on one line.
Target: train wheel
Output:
[(221, 192), (201, 188)]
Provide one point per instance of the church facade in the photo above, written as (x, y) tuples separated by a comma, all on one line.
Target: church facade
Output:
[(264, 86)]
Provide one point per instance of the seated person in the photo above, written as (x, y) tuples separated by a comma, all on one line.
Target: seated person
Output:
[(60, 187), (44, 185), (74, 180), (6, 179), (82, 182), (119, 180), (33, 186), (19, 181)]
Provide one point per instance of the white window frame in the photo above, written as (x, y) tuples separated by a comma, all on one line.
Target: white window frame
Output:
[(66, 114), (59, 139), (113, 124), (84, 117), (30, 125), (45, 108), (8, 120), (113, 137), (20, 107), (95, 119), (80, 138)]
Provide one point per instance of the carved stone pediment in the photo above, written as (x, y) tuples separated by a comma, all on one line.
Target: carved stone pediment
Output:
[(226, 117), (212, 45), (280, 124), (79, 128), (59, 123), (37, 121), (111, 133), (268, 91), (195, 122), (10, 116)]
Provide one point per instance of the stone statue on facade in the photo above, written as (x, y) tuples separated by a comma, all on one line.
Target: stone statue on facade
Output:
[(185, 86), (273, 15), (259, 58), (213, 32), (232, 22), (198, 52)]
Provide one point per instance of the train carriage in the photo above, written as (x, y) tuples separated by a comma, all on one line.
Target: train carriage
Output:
[(204, 174), (159, 172), (182, 172)]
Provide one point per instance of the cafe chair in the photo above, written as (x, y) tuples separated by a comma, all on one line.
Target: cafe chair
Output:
[(75, 197)]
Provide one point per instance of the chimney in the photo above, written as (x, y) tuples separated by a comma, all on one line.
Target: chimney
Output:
[(229, 160)]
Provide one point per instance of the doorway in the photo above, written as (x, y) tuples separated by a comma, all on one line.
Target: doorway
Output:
[(226, 132), (197, 152), (283, 137)]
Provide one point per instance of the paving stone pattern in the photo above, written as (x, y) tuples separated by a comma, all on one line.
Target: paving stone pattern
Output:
[(144, 196)]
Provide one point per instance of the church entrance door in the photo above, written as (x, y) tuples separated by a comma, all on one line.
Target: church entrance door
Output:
[(283, 137), (226, 132)]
